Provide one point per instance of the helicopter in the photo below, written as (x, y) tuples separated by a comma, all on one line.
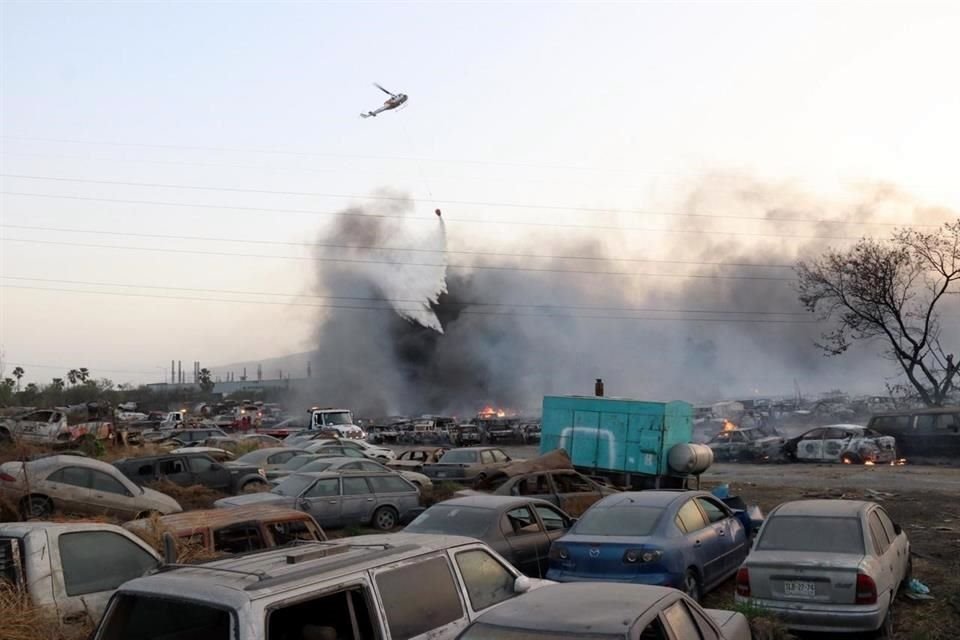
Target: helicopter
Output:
[(394, 101)]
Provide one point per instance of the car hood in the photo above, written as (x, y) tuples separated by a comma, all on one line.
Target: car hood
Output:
[(254, 498), (159, 502)]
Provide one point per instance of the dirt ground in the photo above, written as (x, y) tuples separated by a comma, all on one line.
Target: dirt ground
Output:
[(924, 500)]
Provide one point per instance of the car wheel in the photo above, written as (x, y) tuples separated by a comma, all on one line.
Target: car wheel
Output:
[(479, 480), (385, 518), (850, 458), (691, 584), (36, 507)]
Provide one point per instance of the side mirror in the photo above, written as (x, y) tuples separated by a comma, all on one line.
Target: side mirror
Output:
[(302, 504), (522, 584)]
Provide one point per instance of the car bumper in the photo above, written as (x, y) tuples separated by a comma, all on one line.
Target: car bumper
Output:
[(804, 616), (655, 579)]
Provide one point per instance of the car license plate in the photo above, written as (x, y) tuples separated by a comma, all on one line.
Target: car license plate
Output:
[(799, 589), (441, 474)]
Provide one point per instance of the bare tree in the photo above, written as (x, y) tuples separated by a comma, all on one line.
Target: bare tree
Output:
[(891, 291)]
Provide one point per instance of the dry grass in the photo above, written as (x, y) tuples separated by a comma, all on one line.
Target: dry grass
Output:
[(190, 498), (21, 620)]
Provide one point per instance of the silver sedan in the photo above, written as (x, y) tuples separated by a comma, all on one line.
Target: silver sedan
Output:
[(827, 565)]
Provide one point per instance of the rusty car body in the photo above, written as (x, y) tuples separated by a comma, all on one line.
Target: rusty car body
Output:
[(467, 465), (847, 443), (234, 530)]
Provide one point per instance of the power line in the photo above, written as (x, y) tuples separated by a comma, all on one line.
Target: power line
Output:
[(68, 367), (330, 245), (399, 264), (393, 310), (431, 219), (404, 300), (386, 198)]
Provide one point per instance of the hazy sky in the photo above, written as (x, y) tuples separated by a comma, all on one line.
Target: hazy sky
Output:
[(618, 106)]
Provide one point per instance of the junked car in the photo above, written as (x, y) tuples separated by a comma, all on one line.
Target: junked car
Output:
[(414, 459), (606, 612), (468, 465), (519, 529), (333, 463), (745, 444), (827, 565), (568, 489), (78, 485), (390, 587), (268, 459), (688, 540), (234, 530), (187, 469), (71, 569), (383, 500), (371, 451), (61, 425), (847, 443)]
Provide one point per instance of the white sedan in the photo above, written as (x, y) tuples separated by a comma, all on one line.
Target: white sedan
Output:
[(371, 451)]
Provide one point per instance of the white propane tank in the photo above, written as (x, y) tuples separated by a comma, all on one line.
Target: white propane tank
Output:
[(690, 459)]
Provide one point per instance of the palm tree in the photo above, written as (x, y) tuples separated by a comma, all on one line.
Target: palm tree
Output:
[(83, 374), (18, 373), (57, 384), (72, 376)]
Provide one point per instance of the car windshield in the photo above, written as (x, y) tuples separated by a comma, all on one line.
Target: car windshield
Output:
[(293, 486), (453, 520), (337, 417), (618, 521), (136, 616), (483, 631), (812, 533), (459, 456)]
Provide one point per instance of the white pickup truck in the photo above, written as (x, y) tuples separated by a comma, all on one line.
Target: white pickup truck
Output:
[(72, 568), (58, 425)]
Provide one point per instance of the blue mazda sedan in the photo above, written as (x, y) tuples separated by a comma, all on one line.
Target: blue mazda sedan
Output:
[(688, 540)]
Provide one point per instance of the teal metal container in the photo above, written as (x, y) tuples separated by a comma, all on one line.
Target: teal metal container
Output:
[(615, 435)]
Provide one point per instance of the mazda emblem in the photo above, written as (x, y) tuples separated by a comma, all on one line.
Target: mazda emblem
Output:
[(594, 552)]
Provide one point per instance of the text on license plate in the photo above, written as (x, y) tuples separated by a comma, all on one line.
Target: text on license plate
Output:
[(799, 589)]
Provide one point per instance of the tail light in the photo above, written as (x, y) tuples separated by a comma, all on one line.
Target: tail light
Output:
[(743, 582), (634, 556), (866, 589), (559, 552), (6, 477)]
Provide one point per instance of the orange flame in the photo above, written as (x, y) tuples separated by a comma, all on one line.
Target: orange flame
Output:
[(492, 412), (847, 461), (898, 463), (728, 426), (869, 463)]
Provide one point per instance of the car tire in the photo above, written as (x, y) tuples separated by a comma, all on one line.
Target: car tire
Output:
[(385, 518), (479, 480), (692, 585), (852, 457), (886, 627), (32, 507)]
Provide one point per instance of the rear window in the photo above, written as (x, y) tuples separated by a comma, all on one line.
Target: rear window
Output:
[(810, 533), (618, 521), (453, 520), (148, 618)]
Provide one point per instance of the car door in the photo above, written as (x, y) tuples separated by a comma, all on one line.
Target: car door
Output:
[(704, 542), (322, 501), (556, 523), (92, 565), (486, 464), (70, 489), (732, 537), (900, 545), (888, 577), (527, 540), (535, 485), (277, 460), (210, 474), (112, 495), (174, 469), (575, 493), (810, 446), (358, 500), (835, 442), (420, 598)]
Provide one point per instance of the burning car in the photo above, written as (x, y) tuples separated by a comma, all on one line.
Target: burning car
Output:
[(847, 443), (753, 443)]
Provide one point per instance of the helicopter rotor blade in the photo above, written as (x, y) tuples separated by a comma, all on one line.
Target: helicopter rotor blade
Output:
[(384, 90)]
